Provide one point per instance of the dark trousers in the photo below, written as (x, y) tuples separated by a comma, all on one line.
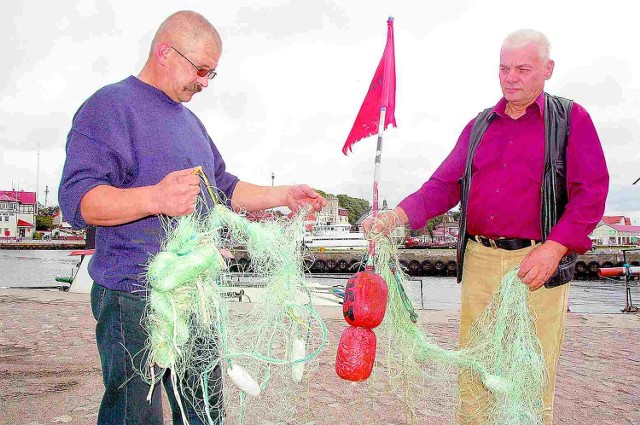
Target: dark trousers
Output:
[(121, 341)]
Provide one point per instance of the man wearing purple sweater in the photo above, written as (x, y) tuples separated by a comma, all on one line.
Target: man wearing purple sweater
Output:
[(131, 154), (532, 181)]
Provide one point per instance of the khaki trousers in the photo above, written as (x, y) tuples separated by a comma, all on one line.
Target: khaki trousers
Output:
[(483, 271)]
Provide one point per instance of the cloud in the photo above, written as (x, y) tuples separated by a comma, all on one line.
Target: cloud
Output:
[(293, 76), (43, 130), (286, 19)]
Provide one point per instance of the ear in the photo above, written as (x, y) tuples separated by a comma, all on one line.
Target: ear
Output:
[(549, 71), (161, 53)]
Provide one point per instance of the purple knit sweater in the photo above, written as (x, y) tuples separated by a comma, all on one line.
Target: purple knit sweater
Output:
[(126, 135)]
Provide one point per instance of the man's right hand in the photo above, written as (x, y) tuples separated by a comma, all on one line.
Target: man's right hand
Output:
[(385, 223), (176, 193)]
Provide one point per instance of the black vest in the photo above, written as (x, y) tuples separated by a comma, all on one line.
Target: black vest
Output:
[(557, 113)]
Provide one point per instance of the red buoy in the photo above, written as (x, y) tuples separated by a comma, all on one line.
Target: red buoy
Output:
[(356, 354), (365, 300)]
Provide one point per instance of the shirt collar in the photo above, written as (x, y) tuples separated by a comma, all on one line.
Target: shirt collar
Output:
[(500, 107)]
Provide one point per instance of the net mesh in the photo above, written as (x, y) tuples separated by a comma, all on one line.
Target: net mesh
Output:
[(498, 378), (222, 354), (251, 362)]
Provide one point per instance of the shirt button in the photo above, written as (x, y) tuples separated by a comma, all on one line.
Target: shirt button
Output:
[(504, 165), (493, 217), (497, 190), (511, 142)]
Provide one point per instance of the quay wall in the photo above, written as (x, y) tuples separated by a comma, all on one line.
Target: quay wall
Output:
[(44, 245), (417, 262), (436, 262)]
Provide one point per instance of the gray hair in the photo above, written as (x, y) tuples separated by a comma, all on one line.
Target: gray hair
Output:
[(524, 37), (185, 28)]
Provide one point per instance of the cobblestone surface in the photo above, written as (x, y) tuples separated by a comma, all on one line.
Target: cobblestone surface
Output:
[(50, 370)]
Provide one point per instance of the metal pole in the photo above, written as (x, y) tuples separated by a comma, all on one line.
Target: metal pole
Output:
[(35, 207), (376, 175)]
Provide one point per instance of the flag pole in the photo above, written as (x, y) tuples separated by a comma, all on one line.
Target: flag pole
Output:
[(389, 62), (376, 178), (378, 108)]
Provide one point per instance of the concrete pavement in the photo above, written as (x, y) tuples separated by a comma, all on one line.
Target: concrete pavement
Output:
[(50, 370)]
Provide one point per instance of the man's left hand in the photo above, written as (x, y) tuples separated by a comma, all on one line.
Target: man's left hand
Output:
[(538, 266), (299, 195)]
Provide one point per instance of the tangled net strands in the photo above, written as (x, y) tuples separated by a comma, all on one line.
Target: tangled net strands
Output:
[(246, 364), (503, 353), (231, 363)]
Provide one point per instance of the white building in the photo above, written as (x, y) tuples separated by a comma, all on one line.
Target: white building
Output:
[(17, 214), (332, 213), (8, 217), (615, 230), (59, 222)]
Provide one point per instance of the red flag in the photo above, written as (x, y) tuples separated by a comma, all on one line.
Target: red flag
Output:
[(381, 94)]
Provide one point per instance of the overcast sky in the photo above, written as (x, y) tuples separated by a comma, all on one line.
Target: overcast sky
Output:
[(293, 75)]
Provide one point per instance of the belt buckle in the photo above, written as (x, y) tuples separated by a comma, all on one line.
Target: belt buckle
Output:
[(480, 240)]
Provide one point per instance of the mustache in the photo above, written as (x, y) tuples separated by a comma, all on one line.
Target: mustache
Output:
[(194, 88)]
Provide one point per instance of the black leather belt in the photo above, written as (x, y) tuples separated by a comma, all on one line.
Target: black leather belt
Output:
[(503, 243)]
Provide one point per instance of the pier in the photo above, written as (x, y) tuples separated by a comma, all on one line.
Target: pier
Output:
[(35, 244), (436, 262)]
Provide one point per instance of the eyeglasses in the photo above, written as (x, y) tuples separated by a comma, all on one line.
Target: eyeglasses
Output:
[(202, 72)]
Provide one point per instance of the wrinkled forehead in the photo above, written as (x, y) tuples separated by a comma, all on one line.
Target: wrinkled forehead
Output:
[(205, 53), (528, 54)]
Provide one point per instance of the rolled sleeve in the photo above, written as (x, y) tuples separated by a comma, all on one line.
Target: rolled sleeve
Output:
[(89, 164)]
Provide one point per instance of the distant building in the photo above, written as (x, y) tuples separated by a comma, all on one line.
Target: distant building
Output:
[(446, 233), (332, 213), (615, 230), (62, 230), (59, 221), (17, 214)]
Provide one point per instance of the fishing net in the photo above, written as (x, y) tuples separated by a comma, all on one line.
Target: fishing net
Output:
[(250, 363), (231, 361), (501, 372)]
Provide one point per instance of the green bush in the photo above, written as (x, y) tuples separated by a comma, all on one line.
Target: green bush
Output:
[(37, 236)]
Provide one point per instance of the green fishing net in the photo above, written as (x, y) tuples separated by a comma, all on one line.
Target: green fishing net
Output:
[(230, 359), (501, 371), (250, 362)]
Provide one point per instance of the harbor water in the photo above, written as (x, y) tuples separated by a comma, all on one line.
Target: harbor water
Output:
[(39, 268)]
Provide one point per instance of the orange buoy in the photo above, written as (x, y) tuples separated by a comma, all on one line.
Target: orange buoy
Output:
[(365, 300), (356, 354)]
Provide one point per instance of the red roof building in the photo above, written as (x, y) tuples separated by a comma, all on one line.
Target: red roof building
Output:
[(616, 230), (17, 214), (617, 219), (25, 198)]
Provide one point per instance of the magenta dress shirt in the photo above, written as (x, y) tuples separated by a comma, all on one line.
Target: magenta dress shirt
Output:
[(504, 199)]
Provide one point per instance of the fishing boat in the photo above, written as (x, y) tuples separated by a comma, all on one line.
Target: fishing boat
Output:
[(334, 236), (79, 281)]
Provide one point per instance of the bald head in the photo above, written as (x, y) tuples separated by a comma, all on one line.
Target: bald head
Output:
[(185, 29), (184, 55)]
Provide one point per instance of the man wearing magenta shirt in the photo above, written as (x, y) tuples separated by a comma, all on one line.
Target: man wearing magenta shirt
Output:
[(532, 181), (131, 155)]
